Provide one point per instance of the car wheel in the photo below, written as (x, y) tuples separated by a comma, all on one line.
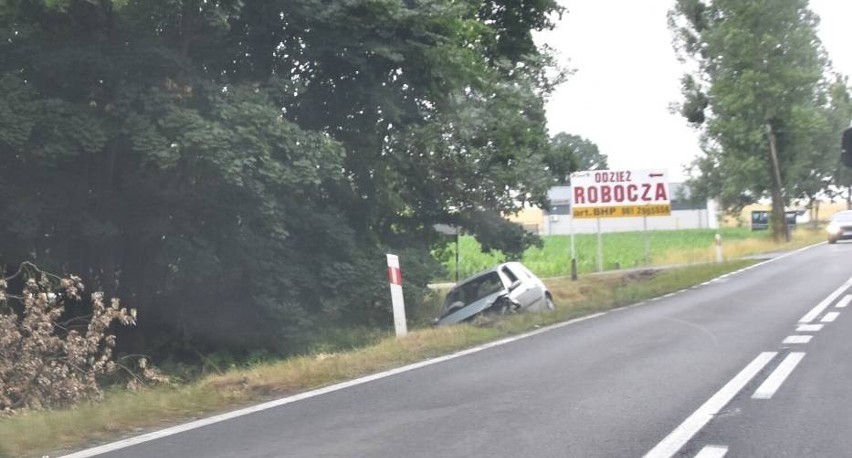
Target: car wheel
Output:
[(549, 302)]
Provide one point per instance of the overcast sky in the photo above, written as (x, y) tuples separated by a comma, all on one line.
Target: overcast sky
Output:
[(627, 75)]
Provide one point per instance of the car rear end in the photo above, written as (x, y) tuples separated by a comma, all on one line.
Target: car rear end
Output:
[(840, 227)]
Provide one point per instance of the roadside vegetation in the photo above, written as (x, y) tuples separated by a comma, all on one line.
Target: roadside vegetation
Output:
[(625, 250), (124, 412), (236, 171), (770, 125), (238, 181)]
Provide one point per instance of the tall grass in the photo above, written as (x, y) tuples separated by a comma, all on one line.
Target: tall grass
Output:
[(622, 250)]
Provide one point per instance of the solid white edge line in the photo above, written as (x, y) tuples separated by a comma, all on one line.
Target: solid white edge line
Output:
[(712, 451), (809, 327), (768, 388), (844, 302), (794, 252), (830, 317), (797, 339), (810, 316), (118, 445), (672, 443)]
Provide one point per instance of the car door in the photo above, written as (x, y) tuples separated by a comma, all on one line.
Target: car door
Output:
[(536, 286), (527, 293)]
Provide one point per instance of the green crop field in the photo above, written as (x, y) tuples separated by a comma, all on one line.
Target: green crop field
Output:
[(626, 250)]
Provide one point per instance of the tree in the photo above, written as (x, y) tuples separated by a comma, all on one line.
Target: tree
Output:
[(839, 118), (570, 153), (755, 94), (236, 170)]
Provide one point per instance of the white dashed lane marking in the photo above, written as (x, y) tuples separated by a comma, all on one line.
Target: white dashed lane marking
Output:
[(681, 435), (797, 339), (816, 311), (684, 432), (830, 317), (768, 388), (712, 451)]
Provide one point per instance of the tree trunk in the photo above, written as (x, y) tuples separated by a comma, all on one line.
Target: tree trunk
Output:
[(778, 219)]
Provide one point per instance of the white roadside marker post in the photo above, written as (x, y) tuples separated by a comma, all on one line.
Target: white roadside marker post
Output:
[(719, 248), (395, 280)]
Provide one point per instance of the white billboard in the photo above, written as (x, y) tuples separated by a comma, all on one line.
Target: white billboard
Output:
[(620, 193)]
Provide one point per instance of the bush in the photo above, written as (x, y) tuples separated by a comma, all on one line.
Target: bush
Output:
[(45, 362)]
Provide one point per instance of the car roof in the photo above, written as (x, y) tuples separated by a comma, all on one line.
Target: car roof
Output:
[(488, 271)]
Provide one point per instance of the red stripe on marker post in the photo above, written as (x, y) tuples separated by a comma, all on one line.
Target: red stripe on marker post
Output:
[(394, 276)]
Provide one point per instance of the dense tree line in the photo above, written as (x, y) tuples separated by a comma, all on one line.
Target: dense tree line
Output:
[(236, 170)]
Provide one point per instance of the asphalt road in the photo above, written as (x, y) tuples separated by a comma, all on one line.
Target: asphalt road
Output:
[(702, 372)]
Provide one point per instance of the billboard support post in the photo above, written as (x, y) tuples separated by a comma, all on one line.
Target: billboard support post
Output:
[(647, 243), (600, 247)]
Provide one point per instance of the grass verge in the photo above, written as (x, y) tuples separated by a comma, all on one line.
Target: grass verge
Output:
[(123, 413), (627, 249)]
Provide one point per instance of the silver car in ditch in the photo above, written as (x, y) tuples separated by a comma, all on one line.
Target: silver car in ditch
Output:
[(507, 287)]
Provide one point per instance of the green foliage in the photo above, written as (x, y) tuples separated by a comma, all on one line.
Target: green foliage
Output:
[(237, 170), (758, 97), (472, 258), (623, 249), (839, 117), (570, 153)]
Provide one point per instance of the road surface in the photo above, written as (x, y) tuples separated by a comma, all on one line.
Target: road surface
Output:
[(758, 363)]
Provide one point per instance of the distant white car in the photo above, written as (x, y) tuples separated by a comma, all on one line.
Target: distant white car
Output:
[(507, 287), (840, 226)]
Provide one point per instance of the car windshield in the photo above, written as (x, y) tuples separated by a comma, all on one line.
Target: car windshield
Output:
[(474, 290), (843, 217)]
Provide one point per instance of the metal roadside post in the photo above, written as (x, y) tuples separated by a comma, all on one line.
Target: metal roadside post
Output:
[(458, 235), (454, 231), (395, 280)]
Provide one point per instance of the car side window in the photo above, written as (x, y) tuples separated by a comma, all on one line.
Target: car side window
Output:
[(453, 298), (509, 274), (489, 284), (519, 272)]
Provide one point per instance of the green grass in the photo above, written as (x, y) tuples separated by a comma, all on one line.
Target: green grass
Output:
[(124, 413), (627, 250)]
